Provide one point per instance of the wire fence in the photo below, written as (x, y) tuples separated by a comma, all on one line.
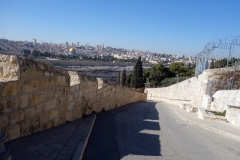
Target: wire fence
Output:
[(219, 53)]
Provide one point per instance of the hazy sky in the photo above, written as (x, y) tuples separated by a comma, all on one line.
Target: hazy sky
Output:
[(162, 26)]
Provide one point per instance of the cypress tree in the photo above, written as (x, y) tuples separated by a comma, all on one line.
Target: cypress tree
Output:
[(124, 77), (137, 79), (118, 78), (212, 64), (129, 80)]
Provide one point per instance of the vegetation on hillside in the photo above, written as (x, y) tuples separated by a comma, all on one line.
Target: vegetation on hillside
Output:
[(161, 76), (223, 63)]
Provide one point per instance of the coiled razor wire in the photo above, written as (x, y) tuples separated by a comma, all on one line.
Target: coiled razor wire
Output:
[(219, 53)]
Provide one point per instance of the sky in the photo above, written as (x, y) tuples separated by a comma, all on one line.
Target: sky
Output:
[(179, 27)]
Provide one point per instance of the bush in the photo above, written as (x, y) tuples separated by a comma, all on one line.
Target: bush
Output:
[(170, 81)]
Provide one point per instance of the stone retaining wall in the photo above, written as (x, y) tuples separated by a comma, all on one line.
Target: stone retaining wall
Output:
[(224, 98), (189, 91), (39, 96), (197, 90)]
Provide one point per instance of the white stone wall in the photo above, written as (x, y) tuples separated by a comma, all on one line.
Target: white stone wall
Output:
[(233, 116), (190, 91), (194, 90), (223, 98)]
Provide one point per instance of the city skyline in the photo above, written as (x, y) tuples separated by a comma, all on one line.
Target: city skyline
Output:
[(170, 27)]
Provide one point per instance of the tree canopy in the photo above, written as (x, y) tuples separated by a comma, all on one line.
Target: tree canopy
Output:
[(179, 69), (156, 74), (159, 75)]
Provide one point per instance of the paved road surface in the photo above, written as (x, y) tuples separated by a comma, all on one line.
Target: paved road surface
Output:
[(150, 130)]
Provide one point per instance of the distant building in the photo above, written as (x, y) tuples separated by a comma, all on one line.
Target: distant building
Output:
[(72, 52), (98, 46), (34, 41), (153, 62), (117, 56), (77, 44)]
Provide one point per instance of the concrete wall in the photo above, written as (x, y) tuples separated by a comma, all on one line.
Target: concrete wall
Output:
[(197, 90), (39, 96)]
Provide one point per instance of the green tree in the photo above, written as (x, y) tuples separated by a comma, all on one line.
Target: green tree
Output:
[(137, 79), (231, 62), (178, 68), (129, 80), (212, 64), (170, 81), (189, 65), (26, 52), (119, 78), (155, 75), (220, 63), (124, 78)]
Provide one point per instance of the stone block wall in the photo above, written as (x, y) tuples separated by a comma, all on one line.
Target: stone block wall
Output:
[(195, 91), (9, 69), (42, 96)]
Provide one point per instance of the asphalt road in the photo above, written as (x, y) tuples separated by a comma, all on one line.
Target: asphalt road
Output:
[(150, 130)]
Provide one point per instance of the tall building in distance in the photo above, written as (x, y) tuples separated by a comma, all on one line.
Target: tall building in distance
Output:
[(34, 41), (77, 44), (103, 45)]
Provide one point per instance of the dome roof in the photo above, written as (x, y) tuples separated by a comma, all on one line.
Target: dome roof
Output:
[(72, 50)]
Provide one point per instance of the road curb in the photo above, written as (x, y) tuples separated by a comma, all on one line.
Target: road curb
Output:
[(212, 129), (78, 154)]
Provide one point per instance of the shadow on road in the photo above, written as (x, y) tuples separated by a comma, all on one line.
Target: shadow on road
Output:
[(129, 130)]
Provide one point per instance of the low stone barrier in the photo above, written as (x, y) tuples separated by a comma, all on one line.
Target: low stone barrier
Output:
[(42, 96)]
